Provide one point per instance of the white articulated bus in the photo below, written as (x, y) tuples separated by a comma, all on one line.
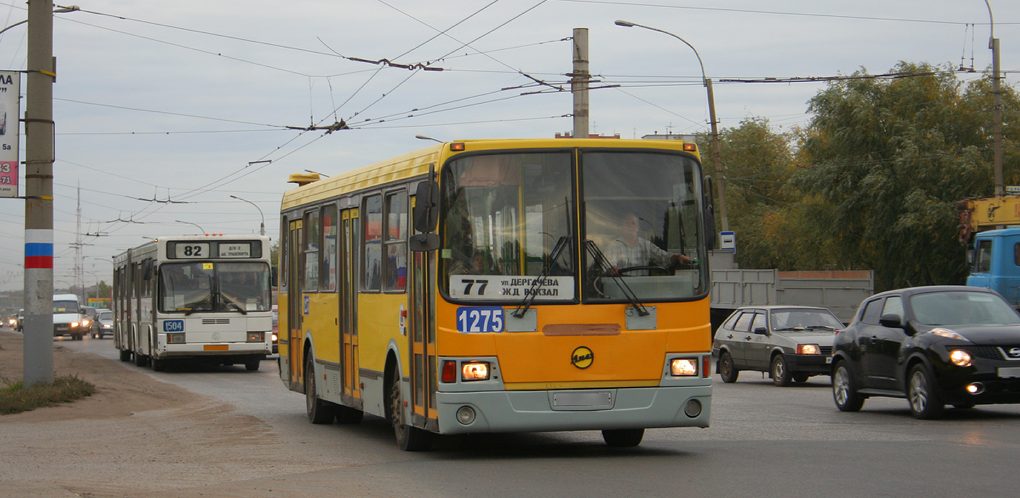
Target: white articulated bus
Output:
[(199, 297)]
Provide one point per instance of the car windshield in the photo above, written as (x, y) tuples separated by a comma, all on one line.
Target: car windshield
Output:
[(65, 307), (801, 319), (962, 308), (106, 315)]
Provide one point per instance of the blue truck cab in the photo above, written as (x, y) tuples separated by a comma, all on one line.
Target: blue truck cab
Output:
[(995, 263)]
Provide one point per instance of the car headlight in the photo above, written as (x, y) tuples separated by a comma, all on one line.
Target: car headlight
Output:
[(808, 349), (74, 325), (951, 334), (960, 358)]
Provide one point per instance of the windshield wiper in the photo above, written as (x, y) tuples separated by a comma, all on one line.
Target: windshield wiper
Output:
[(600, 259), (228, 302), (814, 327), (539, 281)]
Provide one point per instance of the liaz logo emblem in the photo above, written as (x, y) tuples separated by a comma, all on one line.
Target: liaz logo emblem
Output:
[(582, 358), (1015, 352)]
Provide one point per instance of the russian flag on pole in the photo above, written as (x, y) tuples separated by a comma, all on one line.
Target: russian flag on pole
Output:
[(39, 249)]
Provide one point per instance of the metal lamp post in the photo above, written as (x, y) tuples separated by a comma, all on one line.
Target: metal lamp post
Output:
[(714, 144), (263, 227)]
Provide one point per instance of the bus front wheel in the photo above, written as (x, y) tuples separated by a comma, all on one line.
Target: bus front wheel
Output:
[(409, 438), (623, 438)]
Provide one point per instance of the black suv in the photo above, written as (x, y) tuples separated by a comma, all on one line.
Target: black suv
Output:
[(932, 345)]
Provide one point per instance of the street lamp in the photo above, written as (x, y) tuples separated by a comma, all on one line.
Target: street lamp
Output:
[(263, 231), (59, 10), (716, 156), (190, 223)]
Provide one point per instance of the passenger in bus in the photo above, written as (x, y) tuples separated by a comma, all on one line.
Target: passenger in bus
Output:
[(630, 250)]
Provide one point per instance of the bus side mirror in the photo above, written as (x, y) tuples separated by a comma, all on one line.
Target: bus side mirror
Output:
[(709, 212), (426, 206)]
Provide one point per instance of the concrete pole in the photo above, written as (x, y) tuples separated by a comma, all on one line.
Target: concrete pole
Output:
[(1000, 188), (38, 345), (579, 82), (717, 158)]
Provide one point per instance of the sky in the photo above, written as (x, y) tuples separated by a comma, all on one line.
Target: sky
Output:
[(163, 110)]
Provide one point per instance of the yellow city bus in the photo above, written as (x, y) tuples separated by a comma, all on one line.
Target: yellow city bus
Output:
[(481, 286)]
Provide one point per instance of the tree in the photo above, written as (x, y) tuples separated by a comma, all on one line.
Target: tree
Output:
[(888, 159)]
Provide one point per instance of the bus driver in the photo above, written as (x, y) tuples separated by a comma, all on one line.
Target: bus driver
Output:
[(629, 250)]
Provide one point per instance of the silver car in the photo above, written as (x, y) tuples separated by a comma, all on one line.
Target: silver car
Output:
[(792, 343)]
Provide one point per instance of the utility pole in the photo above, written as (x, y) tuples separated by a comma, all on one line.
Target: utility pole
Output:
[(720, 168), (38, 345), (579, 82), (993, 43)]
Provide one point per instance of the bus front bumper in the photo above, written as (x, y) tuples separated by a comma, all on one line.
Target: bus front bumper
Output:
[(564, 410)]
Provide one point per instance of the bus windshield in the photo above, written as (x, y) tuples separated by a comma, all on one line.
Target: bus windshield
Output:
[(509, 227), (216, 287)]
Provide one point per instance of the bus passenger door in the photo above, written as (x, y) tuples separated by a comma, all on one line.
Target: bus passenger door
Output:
[(423, 340), (348, 319), (295, 308)]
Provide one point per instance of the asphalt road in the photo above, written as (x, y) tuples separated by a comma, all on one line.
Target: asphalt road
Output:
[(764, 441)]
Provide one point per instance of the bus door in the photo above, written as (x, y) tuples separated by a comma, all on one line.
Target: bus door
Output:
[(348, 319), (295, 306), (423, 339)]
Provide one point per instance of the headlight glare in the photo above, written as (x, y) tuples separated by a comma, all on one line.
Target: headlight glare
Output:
[(474, 370), (960, 358), (683, 367), (808, 349)]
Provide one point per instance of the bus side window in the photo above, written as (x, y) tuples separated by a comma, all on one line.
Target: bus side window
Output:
[(373, 243), (395, 269), (327, 267), (310, 254)]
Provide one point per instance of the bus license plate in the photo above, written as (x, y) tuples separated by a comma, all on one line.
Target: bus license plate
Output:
[(173, 325), (593, 399), (479, 319)]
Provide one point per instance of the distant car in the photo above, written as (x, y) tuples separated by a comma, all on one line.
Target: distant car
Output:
[(103, 324), (21, 320), (792, 343), (12, 321), (932, 345), (89, 314)]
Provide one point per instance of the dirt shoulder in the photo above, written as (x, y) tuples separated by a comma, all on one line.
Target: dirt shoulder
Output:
[(135, 436)]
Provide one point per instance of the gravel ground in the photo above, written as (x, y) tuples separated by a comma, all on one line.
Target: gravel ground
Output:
[(135, 437)]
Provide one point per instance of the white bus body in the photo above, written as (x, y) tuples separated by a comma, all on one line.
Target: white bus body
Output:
[(194, 297)]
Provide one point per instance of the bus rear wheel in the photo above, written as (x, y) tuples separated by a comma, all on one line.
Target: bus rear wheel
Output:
[(623, 438), (409, 438), (125, 355)]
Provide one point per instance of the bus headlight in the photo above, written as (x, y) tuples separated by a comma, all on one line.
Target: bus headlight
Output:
[(474, 370), (177, 338), (256, 336), (683, 367)]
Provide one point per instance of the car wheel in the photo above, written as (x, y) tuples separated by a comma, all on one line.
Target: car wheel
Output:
[(319, 411), (409, 438), (844, 393), (780, 372), (924, 401), (623, 438), (726, 369), (801, 377)]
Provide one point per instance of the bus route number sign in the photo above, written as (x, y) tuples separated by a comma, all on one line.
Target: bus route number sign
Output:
[(479, 319), (196, 250), (173, 325)]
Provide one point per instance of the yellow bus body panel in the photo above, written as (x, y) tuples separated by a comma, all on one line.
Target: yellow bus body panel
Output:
[(537, 360), (378, 324), (321, 323)]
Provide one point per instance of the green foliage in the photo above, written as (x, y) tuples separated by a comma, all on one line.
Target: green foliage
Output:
[(872, 181), (16, 398)]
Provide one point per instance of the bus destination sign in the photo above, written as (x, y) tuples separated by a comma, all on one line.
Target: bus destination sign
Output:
[(235, 250)]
